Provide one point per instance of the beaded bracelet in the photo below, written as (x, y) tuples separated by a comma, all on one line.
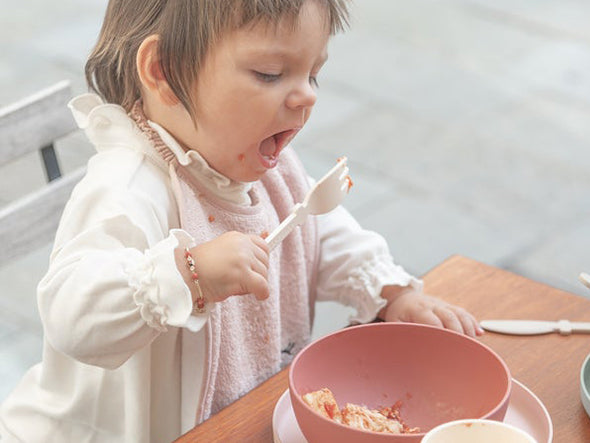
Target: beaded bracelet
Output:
[(190, 262)]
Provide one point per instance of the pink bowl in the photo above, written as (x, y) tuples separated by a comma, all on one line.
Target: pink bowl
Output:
[(438, 375)]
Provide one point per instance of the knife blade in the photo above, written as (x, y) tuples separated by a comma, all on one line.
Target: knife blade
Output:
[(534, 327)]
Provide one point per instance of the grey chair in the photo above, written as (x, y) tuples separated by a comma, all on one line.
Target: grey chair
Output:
[(34, 124)]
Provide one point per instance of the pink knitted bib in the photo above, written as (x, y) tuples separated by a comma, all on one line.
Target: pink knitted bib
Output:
[(250, 340)]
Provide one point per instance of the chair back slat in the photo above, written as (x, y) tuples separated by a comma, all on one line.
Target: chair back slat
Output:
[(31, 222), (35, 121), (34, 124)]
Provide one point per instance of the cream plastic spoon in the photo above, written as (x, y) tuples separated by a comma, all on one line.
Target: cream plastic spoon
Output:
[(324, 196)]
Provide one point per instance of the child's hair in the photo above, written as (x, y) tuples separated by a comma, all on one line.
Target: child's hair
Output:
[(186, 30)]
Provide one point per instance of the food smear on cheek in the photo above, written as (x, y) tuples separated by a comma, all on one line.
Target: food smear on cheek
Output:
[(241, 157)]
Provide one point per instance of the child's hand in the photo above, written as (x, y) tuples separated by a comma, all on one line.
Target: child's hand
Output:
[(412, 306), (231, 264)]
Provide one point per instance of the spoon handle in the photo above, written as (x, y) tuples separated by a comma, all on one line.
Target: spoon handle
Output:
[(296, 217)]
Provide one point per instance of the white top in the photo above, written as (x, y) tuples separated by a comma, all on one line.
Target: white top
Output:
[(118, 363)]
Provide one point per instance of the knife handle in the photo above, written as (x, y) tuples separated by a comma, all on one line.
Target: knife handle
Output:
[(565, 327), (575, 327)]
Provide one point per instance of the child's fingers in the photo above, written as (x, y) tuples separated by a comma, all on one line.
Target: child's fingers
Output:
[(464, 319), (449, 319), (477, 329), (428, 317), (261, 256), (260, 268), (467, 323), (260, 242), (258, 285), (259, 263), (260, 249), (470, 324)]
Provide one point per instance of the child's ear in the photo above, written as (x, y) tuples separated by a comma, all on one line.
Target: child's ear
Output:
[(150, 72)]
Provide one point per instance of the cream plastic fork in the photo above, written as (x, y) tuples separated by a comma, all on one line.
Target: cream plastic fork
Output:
[(327, 193)]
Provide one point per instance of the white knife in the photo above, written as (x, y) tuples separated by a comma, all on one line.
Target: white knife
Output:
[(534, 327)]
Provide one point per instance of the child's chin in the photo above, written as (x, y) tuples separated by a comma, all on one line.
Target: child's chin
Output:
[(250, 176)]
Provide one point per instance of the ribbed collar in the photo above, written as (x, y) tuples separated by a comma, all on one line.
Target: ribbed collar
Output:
[(193, 163)]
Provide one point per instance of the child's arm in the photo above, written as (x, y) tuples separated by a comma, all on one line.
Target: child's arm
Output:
[(356, 269), (112, 285), (355, 264)]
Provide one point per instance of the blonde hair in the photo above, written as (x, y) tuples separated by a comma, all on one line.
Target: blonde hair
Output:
[(186, 30)]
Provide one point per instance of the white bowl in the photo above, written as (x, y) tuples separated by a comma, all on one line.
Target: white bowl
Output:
[(585, 384), (477, 430)]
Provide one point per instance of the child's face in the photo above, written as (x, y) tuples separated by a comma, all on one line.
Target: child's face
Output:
[(254, 93)]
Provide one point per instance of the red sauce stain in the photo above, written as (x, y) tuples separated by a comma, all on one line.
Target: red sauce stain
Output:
[(330, 409), (349, 182), (264, 234), (241, 157), (211, 218)]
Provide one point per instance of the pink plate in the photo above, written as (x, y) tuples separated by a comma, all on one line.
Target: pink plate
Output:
[(525, 411)]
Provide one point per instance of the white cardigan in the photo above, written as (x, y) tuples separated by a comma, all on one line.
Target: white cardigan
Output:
[(122, 354)]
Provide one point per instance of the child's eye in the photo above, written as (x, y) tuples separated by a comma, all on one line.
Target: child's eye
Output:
[(313, 81), (267, 78)]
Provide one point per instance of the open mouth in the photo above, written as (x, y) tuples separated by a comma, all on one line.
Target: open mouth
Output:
[(271, 147)]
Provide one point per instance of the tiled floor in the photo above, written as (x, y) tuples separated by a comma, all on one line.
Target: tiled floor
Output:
[(466, 123)]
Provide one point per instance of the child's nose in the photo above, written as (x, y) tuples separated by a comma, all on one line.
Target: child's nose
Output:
[(303, 95)]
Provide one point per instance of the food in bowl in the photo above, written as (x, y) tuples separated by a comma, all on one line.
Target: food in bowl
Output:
[(386, 419), (324, 403)]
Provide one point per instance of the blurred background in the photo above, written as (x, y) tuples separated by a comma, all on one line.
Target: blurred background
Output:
[(466, 124)]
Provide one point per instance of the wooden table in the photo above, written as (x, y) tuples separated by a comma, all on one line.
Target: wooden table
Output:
[(549, 365)]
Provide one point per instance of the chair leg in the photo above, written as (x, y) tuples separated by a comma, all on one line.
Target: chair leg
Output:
[(52, 170)]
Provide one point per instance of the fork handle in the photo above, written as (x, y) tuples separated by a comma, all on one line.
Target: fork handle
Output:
[(296, 217)]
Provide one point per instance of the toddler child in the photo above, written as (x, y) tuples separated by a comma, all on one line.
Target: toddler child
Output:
[(162, 303)]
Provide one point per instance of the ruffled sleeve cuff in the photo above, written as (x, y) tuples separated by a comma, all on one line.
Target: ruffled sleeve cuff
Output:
[(160, 292), (363, 287)]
